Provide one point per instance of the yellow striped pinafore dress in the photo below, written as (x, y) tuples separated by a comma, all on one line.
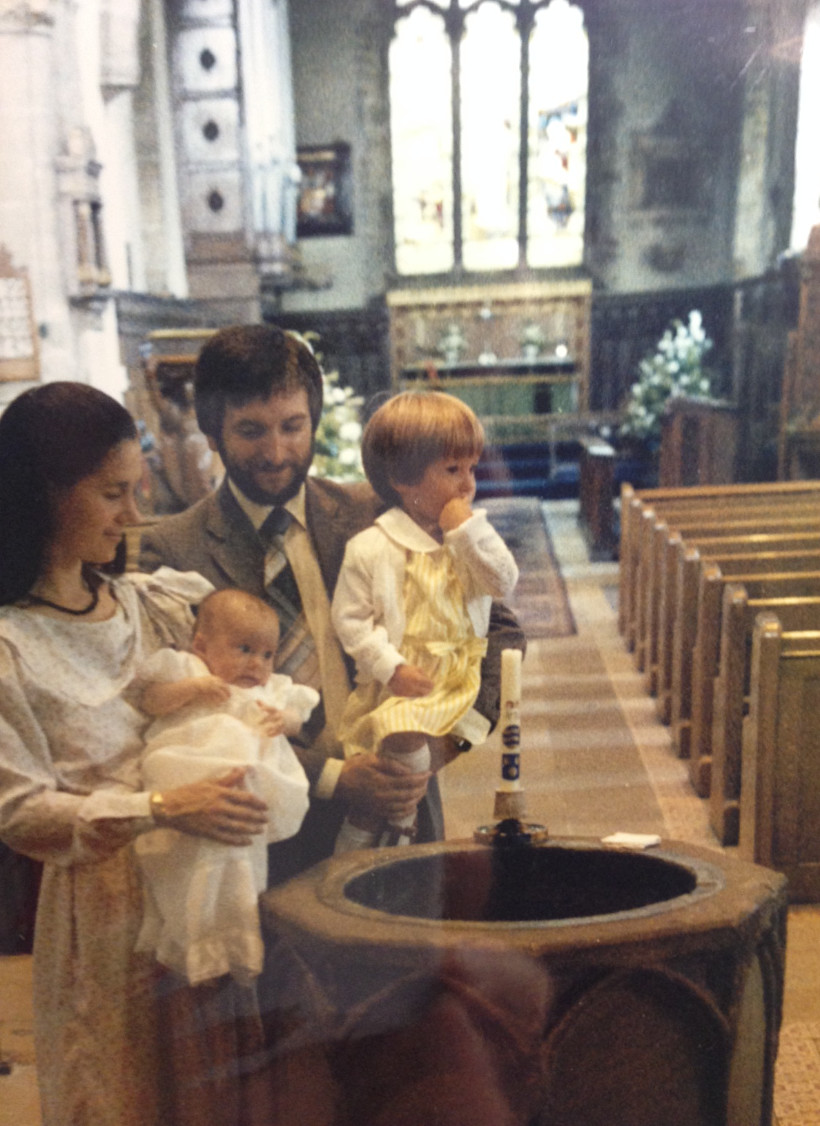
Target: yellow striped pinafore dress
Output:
[(439, 638)]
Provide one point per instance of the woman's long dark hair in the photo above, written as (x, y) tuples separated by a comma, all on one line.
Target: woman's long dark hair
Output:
[(50, 438)]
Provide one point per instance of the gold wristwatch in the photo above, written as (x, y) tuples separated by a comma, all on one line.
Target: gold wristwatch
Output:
[(157, 806)]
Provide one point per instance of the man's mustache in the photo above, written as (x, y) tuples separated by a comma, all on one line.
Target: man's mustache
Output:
[(272, 466)]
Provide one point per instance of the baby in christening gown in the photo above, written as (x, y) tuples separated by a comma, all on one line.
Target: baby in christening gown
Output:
[(216, 708)]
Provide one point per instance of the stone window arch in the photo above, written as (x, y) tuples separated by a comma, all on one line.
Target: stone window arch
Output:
[(488, 104)]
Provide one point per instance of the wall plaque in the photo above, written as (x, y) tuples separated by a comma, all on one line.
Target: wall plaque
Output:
[(18, 340)]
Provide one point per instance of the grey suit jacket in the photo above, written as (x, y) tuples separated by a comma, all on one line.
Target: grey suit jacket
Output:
[(215, 538)]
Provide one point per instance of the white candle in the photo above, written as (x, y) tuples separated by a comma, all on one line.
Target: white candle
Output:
[(510, 679), (510, 718)]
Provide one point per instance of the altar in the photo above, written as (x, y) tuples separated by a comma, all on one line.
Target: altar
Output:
[(517, 354)]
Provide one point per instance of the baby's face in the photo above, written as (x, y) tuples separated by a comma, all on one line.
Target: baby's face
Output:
[(239, 654)]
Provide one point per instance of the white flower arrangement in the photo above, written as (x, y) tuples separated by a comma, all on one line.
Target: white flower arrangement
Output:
[(676, 368), (338, 442), (338, 448)]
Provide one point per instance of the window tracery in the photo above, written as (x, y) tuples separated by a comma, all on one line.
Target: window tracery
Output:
[(488, 103)]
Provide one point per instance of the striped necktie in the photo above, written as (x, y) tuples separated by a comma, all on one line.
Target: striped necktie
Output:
[(296, 656)]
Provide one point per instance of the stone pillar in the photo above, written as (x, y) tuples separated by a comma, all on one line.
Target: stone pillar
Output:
[(118, 79), (765, 184), (269, 129), (29, 127), (808, 342), (161, 221)]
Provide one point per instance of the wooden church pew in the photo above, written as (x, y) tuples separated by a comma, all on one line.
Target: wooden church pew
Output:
[(653, 524), (731, 692), (791, 514), (718, 501), (674, 572), (780, 782), (793, 534), (696, 635)]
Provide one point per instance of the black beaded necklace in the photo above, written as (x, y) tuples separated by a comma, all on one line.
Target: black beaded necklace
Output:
[(95, 600)]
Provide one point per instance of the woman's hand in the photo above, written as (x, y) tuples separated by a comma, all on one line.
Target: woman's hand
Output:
[(409, 680), (217, 808)]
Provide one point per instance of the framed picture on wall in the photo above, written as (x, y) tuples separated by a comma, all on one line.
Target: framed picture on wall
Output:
[(325, 206)]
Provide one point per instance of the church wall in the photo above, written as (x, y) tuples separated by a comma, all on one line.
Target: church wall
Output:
[(679, 193), (664, 85), (340, 83), (50, 173)]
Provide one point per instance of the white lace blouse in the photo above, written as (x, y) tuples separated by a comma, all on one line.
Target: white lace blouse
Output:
[(70, 740)]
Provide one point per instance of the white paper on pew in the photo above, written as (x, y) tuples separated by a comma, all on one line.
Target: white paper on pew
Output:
[(632, 840)]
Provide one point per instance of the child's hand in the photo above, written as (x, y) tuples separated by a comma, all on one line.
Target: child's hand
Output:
[(211, 690), (271, 720), (409, 680), (454, 514)]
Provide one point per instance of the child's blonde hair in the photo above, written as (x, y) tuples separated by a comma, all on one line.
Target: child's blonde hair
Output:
[(411, 431)]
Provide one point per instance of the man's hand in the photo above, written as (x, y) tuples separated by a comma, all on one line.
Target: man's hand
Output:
[(409, 680), (370, 785)]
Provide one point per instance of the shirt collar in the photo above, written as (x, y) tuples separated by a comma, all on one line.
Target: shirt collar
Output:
[(258, 513), (405, 531)]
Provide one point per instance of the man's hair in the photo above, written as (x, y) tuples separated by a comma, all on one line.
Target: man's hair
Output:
[(247, 362), (232, 602), (411, 431), (51, 437)]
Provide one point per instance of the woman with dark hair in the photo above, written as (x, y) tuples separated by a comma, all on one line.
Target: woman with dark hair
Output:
[(108, 1023)]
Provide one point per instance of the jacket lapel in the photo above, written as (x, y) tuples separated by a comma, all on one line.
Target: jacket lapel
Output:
[(233, 544), (326, 530)]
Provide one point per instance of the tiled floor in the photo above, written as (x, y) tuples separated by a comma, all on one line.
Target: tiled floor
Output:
[(594, 760)]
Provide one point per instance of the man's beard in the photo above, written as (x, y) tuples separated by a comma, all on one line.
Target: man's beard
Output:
[(246, 483)]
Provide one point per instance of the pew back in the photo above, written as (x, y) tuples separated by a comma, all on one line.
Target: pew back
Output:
[(696, 632), (731, 693), (660, 594), (780, 785), (715, 503)]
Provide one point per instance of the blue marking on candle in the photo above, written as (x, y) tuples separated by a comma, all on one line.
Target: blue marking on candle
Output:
[(510, 767), (511, 735)]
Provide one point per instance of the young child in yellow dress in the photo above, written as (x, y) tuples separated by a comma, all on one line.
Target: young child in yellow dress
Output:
[(412, 604)]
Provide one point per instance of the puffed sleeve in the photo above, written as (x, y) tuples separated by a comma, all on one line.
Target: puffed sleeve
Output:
[(36, 818), (167, 598), (303, 699), (485, 563)]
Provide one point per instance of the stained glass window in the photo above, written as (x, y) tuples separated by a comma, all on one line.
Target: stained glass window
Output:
[(559, 64), (422, 130), (462, 75), (490, 138)]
